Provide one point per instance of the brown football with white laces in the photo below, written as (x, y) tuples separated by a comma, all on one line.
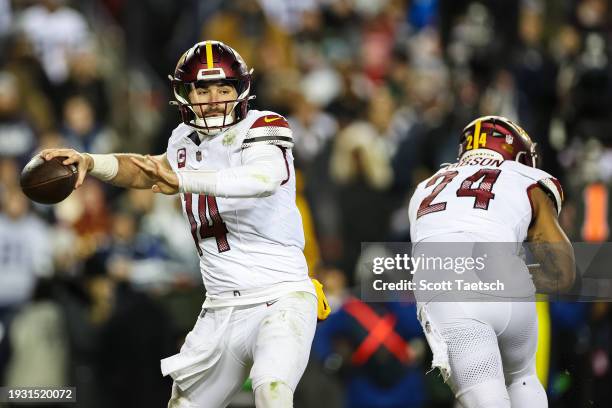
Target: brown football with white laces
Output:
[(48, 182)]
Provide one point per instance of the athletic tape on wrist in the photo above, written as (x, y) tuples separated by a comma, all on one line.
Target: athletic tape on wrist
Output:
[(105, 166)]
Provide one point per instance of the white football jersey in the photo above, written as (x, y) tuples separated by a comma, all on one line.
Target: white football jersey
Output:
[(485, 197), (244, 243)]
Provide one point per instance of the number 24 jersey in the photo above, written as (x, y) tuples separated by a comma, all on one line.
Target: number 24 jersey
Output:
[(486, 198)]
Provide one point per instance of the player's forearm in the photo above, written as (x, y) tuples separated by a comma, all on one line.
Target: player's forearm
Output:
[(237, 182), (556, 270), (263, 170), (122, 172)]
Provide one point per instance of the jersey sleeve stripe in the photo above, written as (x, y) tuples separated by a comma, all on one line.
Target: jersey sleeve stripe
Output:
[(558, 185), (554, 191), (280, 141), (268, 139), (531, 187), (286, 166)]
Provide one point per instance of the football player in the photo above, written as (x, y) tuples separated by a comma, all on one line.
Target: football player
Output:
[(233, 169), (493, 194)]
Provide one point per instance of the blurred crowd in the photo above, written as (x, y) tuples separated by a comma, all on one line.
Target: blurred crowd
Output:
[(95, 290)]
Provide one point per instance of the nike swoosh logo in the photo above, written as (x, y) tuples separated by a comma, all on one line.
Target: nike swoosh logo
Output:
[(268, 120), (271, 302)]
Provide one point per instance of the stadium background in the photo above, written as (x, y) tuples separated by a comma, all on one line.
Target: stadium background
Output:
[(95, 290)]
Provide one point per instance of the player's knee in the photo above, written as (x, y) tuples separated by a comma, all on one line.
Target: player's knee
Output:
[(490, 394), (275, 394), (527, 392)]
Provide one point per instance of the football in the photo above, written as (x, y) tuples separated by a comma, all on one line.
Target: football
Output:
[(48, 182)]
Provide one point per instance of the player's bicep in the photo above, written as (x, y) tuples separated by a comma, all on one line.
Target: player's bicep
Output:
[(268, 159), (545, 225), (550, 246)]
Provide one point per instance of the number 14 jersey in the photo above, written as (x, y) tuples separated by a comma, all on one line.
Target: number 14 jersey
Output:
[(487, 198), (244, 244)]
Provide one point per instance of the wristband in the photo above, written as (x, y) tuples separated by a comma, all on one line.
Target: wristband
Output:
[(105, 166)]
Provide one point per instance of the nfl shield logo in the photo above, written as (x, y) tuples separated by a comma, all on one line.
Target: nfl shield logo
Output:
[(509, 139), (199, 155)]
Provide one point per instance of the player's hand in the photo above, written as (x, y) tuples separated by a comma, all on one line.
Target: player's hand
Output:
[(82, 161), (166, 180)]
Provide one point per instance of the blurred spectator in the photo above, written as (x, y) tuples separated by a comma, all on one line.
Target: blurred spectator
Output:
[(86, 213), (312, 129), (591, 15), (25, 255), (423, 13), (82, 129), (135, 334), (360, 155), (38, 342), (350, 103), (166, 223), (17, 137), (535, 75), (25, 250), (85, 79), (34, 87), (377, 348), (360, 167), (501, 96), (376, 49), (9, 173), (6, 17), (289, 14), (591, 94), (55, 30)]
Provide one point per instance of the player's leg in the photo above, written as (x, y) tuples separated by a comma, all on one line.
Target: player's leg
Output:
[(281, 348), (217, 382), (473, 354), (215, 389), (273, 394), (518, 345)]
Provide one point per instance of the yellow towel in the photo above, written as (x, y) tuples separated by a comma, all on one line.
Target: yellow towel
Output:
[(323, 309)]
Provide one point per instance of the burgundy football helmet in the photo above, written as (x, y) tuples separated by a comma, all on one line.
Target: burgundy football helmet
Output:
[(500, 135), (211, 61)]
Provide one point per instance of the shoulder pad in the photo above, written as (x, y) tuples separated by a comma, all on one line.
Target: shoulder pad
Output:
[(269, 129), (179, 132)]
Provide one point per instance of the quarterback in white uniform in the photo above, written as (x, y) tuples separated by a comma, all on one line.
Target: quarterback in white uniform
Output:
[(233, 169), (493, 194)]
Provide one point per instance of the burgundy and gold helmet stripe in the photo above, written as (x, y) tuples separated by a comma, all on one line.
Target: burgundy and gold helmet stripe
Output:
[(501, 135), (209, 55)]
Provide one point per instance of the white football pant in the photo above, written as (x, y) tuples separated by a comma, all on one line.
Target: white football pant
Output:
[(271, 339)]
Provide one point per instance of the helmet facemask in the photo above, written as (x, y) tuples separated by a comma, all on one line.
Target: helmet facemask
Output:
[(528, 159), (227, 113)]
